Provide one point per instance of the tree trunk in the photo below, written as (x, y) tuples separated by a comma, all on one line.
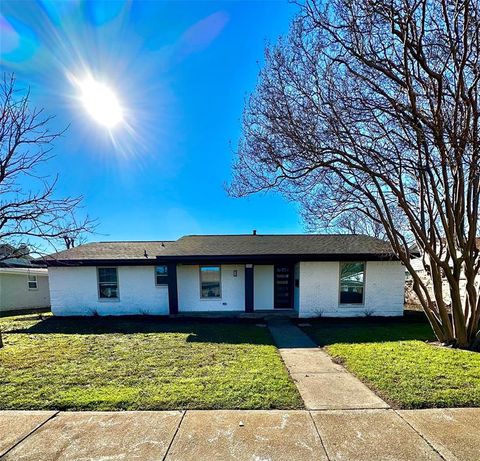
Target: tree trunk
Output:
[(1, 339)]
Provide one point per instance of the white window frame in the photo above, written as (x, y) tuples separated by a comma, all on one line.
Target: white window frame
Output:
[(340, 284), (32, 278), (117, 298), (200, 282)]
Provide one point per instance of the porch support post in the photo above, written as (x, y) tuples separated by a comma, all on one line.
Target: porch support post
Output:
[(249, 288), (172, 288)]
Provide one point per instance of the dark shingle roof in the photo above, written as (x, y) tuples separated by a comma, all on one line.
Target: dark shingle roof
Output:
[(20, 263), (222, 246), (11, 256), (112, 251), (299, 244)]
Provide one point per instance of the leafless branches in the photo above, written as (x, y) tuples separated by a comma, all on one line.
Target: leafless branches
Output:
[(30, 211), (370, 109)]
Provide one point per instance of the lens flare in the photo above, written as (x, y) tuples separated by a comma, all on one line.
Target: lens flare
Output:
[(100, 102)]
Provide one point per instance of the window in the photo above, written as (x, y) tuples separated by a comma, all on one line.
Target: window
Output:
[(161, 273), (210, 282), (32, 282), (352, 281), (107, 283)]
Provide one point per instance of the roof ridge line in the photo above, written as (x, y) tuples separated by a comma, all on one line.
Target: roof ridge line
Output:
[(275, 235), (131, 241)]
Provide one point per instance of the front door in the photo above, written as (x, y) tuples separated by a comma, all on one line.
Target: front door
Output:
[(283, 288)]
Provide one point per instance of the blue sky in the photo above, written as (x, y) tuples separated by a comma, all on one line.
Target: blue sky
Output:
[(182, 71)]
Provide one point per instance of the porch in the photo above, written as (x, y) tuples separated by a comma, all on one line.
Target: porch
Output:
[(233, 289)]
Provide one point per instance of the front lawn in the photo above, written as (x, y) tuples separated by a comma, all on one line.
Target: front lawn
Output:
[(140, 364), (393, 358)]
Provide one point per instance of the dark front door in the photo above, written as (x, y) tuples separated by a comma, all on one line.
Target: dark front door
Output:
[(283, 292)]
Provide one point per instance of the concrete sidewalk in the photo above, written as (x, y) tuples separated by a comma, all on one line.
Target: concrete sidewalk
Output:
[(330, 435), (322, 383)]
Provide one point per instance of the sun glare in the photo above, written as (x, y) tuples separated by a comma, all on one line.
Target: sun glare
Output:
[(100, 102)]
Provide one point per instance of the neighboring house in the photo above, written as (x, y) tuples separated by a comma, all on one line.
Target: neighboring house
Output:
[(419, 267), (23, 284), (314, 275)]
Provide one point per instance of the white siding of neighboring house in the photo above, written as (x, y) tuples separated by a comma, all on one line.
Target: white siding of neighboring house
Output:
[(411, 297), (319, 290), (263, 287), (14, 291), (232, 290), (74, 291)]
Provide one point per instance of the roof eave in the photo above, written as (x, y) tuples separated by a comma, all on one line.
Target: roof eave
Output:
[(212, 259), (100, 262)]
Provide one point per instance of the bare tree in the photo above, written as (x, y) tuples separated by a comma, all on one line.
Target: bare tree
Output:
[(370, 108), (30, 212), (77, 235), (345, 223), (31, 216)]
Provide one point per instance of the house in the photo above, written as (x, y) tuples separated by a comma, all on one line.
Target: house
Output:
[(310, 275), (23, 283), (421, 266)]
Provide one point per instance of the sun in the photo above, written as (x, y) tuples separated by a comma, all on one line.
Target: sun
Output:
[(100, 102)]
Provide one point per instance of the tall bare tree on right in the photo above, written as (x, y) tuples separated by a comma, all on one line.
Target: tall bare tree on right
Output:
[(369, 109)]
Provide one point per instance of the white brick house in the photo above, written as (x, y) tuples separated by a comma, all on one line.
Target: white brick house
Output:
[(310, 275)]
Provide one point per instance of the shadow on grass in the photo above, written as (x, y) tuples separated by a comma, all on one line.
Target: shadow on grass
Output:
[(368, 330), (228, 331), (34, 310)]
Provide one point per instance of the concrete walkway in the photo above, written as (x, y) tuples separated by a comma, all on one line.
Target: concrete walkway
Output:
[(323, 384), (328, 435)]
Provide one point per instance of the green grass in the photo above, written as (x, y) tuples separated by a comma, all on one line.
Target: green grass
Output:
[(393, 358), (140, 364)]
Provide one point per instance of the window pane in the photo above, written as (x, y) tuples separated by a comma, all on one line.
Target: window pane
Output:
[(161, 273), (161, 270), (107, 274), (210, 272), (107, 282), (32, 282), (351, 296), (108, 291), (210, 282), (352, 283)]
